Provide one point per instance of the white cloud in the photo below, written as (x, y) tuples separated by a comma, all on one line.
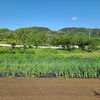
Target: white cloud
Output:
[(74, 18)]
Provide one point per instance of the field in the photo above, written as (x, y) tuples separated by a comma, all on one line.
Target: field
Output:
[(49, 63), (49, 89), (48, 66), (49, 74)]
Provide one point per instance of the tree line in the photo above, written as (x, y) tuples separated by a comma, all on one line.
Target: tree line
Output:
[(40, 36)]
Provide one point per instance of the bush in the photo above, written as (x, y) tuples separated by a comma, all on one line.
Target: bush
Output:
[(4, 50), (30, 51), (7, 50), (26, 51)]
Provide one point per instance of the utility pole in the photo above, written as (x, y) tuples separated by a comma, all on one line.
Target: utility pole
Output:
[(89, 33)]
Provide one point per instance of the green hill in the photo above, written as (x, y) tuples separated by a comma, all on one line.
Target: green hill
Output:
[(88, 31)]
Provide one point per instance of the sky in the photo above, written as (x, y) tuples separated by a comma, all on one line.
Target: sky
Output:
[(53, 14)]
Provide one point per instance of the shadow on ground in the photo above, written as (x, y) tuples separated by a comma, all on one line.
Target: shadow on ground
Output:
[(96, 93)]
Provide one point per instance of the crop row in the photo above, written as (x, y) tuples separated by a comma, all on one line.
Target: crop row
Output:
[(43, 66)]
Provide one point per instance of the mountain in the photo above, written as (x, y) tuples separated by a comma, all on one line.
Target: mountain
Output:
[(36, 30), (2, 30), (88, 31), (92, 32)]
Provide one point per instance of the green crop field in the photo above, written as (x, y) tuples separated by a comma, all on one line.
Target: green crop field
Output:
[(49, 63)]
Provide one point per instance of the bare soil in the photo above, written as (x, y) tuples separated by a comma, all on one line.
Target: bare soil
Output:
[(49, 89)]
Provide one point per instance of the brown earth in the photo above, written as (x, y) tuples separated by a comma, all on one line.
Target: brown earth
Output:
[(49, 89)]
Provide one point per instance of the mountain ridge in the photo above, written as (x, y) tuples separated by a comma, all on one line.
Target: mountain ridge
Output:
[(95, 32)]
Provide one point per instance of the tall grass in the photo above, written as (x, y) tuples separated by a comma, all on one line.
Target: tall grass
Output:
[(48, 66)]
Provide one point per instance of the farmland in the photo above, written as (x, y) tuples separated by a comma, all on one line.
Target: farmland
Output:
[(49, 74), (49, 89), (49, 63)]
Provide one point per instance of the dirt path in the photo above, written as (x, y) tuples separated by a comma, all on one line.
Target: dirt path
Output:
[(49, 89)]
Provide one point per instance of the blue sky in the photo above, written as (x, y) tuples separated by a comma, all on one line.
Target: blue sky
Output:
[(54, 14)]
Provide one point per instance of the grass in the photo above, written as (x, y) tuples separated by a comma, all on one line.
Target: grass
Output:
[(84, 55), (47, 52), (66, 53)]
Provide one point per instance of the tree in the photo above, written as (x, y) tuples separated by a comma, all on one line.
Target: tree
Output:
[(66, 41), (33, 40), (55, 41), (22, 37), (94, 43), (12, 42)]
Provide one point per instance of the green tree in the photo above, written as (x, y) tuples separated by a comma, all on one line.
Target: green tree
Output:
[(94, 43), (82, 42), (22, 37)]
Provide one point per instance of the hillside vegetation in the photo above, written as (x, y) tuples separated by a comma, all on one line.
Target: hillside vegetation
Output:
[(67, 38)]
